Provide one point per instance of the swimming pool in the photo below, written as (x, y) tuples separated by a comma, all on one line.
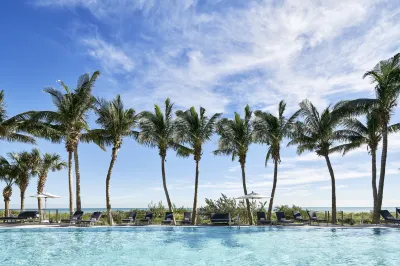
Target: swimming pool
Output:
[(199, 246)]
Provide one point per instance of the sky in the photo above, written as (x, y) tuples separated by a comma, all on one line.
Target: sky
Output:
[(217, 54)]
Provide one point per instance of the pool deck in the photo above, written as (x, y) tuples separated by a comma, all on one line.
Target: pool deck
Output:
[(361, 226)]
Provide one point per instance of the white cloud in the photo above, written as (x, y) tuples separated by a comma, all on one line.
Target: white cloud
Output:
[(112, 59)]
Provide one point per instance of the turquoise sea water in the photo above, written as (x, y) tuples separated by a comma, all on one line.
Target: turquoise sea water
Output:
[(199, 246)]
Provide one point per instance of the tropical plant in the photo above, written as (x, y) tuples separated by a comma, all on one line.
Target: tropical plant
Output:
[(8, 174), (318, 132), (235, 139), (194, 129), (386, 77), (117, 123), (269, 129), (11, 128), (48, 162), (68, 123), (157, 130), (26, 164), (367, 134)]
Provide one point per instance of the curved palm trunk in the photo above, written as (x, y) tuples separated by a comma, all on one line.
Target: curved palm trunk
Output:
[(271, 202), (7, 192), (333, 184), (196, 185), (108, 204), (78, 180), (375, 218), (165, 185), (383, 170), (40, 187), (70, 184), (242, 165)]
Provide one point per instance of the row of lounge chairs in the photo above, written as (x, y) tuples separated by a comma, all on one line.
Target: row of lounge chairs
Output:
[(76, 219), (168, 218), (23, 217), (297, 217)]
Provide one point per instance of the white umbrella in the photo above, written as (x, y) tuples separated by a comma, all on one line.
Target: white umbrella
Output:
[(45, 195), (253, 195)]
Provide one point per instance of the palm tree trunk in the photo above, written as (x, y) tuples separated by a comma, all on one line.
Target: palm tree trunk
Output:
[(333, 184), (375, 218), (250, 215), (108, 204), (41, 182), (165, 185), (22, 195), (7, 192), (271, 202), (6, 207), (383, 170), (196, 185), (78, 180), (70, 184)]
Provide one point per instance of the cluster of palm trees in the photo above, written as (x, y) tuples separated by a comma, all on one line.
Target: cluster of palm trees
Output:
[(335, 129)]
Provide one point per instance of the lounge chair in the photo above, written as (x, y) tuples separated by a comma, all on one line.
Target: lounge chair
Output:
[(314, 218), (93, 220), (389, 217), (187, 218), (397, 212), (169, 218), (298, 218), (262, 219), (280, 216), (147, 218), (73, 220), (131, 219), (25, 216), (221, 218)]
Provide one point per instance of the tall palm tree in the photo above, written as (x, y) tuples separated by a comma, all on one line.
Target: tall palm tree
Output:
[(11, 128), (386, 77), (157, 130), (48, 162), (367, 134), (27, 164), (195, 129), (269, 129), (235, 139), (117, 123), (318, 132), (68, 123), (8, 174)]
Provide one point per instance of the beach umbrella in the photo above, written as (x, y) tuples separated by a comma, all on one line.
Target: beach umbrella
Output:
[(253, 195), (44, 196)]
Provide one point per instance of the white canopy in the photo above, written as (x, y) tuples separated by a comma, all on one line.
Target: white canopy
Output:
[(253, 195), (46, 195)]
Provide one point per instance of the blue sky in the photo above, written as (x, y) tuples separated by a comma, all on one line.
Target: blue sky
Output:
[(218, 54)]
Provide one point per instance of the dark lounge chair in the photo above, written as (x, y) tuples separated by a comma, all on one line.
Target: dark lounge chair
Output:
[(280, 216), (93, 220), (168, 218), (397, 212), (221, 218), (314, 218), (262, 219), (187, 218), (25, 216), (298, 218), (73, 220), (131, 219), (389, 217), (147, 218)]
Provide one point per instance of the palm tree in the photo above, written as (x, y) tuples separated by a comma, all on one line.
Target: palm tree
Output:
[(318, 132), (10, 128), (269, 129), (69, 122), (157, 130), (48, 162), (235, 139), (195, 129), (386, 77), (370, 135), (26, 164), (117, 123), (8, 174)]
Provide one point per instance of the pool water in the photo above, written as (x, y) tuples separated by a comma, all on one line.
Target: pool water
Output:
[(199, 246)]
